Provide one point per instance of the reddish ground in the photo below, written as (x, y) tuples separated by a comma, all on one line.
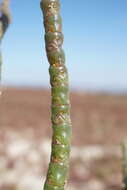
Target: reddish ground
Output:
[(98, 119)]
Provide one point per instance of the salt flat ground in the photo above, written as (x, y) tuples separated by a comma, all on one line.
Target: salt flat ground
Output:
[(99, 126)]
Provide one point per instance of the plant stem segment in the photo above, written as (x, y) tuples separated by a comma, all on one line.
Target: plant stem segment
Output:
[(60, 108)]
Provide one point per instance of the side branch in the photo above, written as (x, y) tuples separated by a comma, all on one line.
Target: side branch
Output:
[(5, 17), (5, 20)]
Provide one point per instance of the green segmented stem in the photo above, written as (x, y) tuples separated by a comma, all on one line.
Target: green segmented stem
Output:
[(60, 108), (5, 19), (124, 148)]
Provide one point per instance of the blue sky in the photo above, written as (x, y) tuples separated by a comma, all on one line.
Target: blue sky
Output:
[(95, 44)]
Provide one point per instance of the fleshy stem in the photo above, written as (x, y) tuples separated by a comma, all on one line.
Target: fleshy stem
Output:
[(60, 109), (124, 148), (5, 20)]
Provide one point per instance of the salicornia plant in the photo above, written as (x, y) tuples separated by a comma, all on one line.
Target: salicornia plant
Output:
[(60, 108), (5, 19)]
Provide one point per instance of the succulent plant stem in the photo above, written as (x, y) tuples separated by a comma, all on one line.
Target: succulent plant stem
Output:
[(60, 109)]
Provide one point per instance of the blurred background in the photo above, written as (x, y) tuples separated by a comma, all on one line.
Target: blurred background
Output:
[(95, 46)]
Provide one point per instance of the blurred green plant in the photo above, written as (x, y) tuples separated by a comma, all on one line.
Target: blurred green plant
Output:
[(60, 108), (124, 148)]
